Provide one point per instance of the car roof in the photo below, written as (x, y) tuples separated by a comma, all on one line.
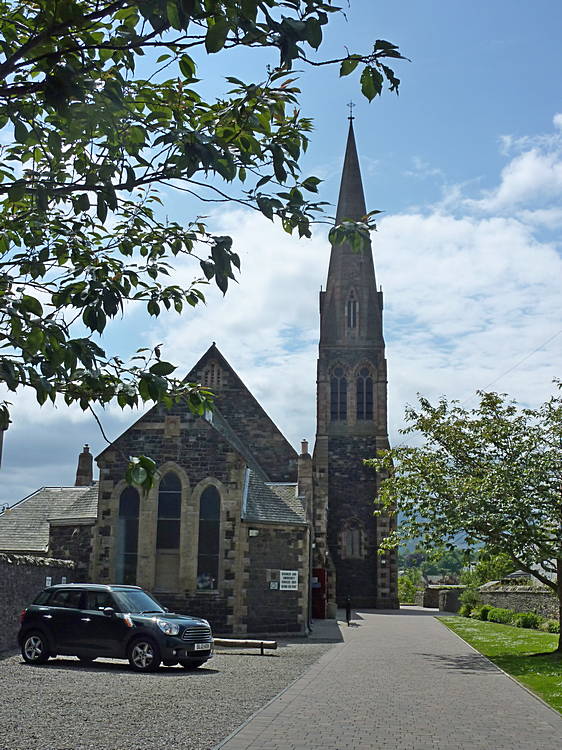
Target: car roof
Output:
[(93, 586)]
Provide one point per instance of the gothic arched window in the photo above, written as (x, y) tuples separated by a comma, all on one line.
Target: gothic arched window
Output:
[(364, 394), (338, 395), (209, 539), (169, 512), (351, 310), (127, 537)]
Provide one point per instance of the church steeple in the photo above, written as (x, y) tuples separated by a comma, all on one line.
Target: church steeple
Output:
[(351, 201), (351, 307), (351, 416)]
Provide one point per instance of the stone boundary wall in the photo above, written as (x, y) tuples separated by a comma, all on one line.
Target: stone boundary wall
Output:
[(21, 578), (430, 595), (522, 599), (449, 600)]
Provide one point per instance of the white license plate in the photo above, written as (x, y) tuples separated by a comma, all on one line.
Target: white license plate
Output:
[(202, 646)]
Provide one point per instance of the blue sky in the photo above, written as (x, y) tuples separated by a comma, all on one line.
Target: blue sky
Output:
[(467, 165)]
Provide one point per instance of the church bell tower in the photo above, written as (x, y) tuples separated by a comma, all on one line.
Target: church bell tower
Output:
[(351, 418)]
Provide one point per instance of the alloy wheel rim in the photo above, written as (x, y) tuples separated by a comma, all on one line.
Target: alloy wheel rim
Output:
[(143, 655), (33, 647)]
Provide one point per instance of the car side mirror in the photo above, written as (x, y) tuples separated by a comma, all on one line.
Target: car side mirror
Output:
[(109, 611)]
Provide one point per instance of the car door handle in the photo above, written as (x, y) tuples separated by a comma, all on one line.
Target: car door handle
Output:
[(48, 617), (85, 619)]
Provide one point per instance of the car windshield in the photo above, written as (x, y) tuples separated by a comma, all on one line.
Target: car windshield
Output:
[(138, 602)]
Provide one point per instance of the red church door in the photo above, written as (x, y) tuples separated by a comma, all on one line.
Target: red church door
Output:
[(319, 593)]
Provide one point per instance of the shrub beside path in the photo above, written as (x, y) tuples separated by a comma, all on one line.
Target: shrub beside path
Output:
[(401, 681)]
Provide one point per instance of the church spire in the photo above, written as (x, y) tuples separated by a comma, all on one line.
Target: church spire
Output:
[(351, 201), (351, 307)]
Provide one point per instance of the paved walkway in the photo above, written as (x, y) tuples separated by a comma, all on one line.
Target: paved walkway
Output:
[(401, 681)]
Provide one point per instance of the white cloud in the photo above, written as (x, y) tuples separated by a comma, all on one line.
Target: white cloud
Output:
[(529, 177), (472, 287)]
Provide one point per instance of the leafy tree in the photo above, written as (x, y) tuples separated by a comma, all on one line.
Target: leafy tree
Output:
[(492, 473), (488, 567), (101, 102), (444, 563), (408, 584)]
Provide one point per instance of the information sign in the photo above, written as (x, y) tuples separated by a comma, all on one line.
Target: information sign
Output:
[(288, 580)]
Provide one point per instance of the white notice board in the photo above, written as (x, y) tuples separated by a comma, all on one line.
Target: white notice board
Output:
[(288, 580)]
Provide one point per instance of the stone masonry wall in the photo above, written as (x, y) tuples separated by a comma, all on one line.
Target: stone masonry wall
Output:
[(21, 578), (198, 454), (370, 581), (72, 542), (275, 548), (522, 599), (274, 454)]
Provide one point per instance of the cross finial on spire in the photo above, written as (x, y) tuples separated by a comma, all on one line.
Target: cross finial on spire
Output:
[(351, 105)]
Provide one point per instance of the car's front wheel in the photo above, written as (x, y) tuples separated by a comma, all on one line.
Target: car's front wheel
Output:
[(34, 648), (192, 664), (144, 655)]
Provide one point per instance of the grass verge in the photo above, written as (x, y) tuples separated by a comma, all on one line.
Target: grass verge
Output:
[(523, 654)]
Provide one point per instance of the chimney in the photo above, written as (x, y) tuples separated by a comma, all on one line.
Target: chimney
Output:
[(304, 447), (84, 472)]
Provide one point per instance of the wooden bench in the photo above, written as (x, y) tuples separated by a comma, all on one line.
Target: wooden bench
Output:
[(239, 643)]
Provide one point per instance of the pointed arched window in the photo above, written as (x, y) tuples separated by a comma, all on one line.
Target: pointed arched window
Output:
[(351, 310), (169, 512), (338, 395), (127, 537), (209, 539), (168, 533), (364, 394)]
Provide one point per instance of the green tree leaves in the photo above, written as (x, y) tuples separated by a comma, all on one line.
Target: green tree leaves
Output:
[(492, 473), (89, 140)]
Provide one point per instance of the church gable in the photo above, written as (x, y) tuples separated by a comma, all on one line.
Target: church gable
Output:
[(247, 419)]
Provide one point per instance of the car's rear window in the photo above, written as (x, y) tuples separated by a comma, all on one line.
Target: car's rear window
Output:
[(42, 597), (65, 598)]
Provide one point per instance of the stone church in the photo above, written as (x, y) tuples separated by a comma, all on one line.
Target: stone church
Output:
[(239, 528)]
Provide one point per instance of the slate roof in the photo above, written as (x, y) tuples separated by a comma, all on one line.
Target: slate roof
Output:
[(25, 526), (268, 502)]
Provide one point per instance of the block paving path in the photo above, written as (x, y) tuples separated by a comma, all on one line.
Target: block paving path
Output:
[(401, 681)]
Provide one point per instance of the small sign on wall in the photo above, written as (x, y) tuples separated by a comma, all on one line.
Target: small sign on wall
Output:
[(288, 580), (63, 579), (274, 585), (48, 580)]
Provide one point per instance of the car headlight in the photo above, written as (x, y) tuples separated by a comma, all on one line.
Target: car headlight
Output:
[(205, 622), (168, 627)]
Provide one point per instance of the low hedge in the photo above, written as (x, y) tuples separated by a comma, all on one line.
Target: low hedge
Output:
[(482, 612), (509, 617), (550, 626), (501, 615)]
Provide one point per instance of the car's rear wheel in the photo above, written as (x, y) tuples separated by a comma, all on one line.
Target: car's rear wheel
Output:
[(192, 664), (144, 655), (34, 648)]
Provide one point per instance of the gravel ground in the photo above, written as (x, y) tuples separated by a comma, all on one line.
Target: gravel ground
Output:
[(65, 705)]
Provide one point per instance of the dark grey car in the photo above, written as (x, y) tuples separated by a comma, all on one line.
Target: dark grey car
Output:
[(121, 622)]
